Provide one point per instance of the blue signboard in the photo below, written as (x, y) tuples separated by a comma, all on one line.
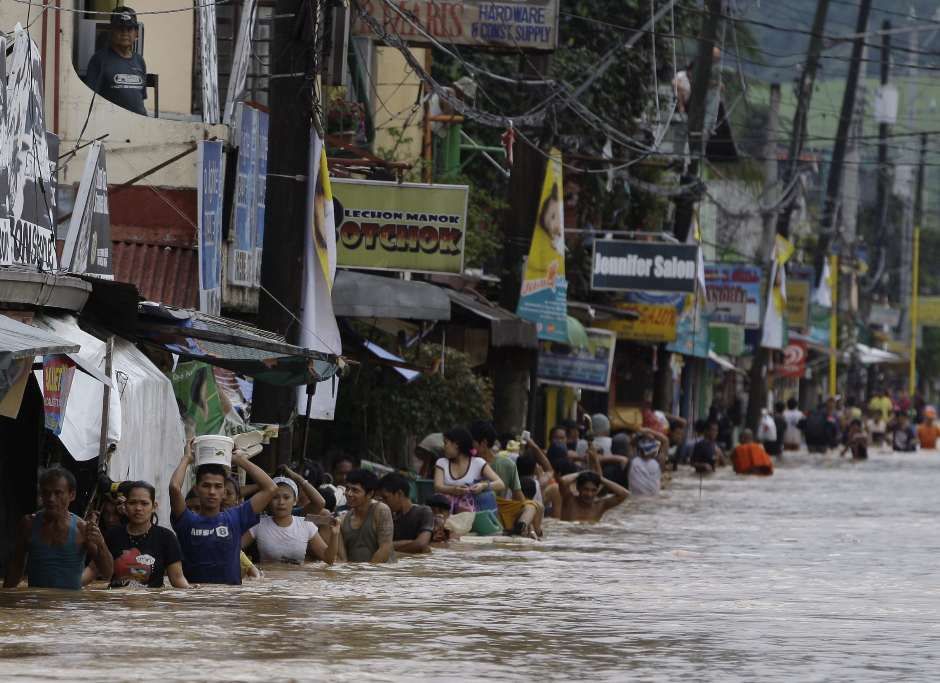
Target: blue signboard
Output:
[(250, 184), (585, 367), (210, 226)]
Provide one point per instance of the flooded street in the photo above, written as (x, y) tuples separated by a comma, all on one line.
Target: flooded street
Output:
[(826, 571)]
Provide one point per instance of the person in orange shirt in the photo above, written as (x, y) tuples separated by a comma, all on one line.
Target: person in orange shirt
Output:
[(929, 431), (750, 457)]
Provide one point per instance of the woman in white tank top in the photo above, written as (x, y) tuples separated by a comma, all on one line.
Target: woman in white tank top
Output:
[(459, 472)]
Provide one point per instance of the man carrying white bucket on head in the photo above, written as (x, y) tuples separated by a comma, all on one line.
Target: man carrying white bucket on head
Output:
[(211, 540)]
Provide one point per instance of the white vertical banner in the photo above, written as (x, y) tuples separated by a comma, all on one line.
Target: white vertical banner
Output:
[(208, 57), (240, 60), (319, 330)]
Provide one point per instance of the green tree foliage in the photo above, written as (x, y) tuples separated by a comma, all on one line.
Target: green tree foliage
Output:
[(377, 412)]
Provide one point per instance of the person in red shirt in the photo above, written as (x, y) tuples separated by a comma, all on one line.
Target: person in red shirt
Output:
[(750, 457), (928, 431)]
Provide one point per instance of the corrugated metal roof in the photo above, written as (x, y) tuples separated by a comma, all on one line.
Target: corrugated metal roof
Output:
[(166, 274)]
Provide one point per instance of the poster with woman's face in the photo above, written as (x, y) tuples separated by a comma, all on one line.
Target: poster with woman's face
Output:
[(551, 220)]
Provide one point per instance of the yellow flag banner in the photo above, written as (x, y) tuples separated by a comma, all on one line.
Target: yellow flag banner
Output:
[(544, 296)]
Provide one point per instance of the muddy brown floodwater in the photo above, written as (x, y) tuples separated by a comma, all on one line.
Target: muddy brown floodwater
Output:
[(826, 571)]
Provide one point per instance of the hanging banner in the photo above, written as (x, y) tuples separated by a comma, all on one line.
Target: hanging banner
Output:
[(799, 291), (247, 234), (618, 266), (209, 200), (209, 62), (198, 398), (88, 245), (733, 294), (401, 226), (588, 367), (319, 330), (692, 330), (57, 374), (794, 360), (27, 230), (236, 81), (528, 25), (819, 325), (544, 296)]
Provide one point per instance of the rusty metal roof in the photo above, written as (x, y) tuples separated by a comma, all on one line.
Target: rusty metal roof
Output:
[(166, 274)]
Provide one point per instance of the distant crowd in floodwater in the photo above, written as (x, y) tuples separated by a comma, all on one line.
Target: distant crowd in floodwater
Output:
[(483, 484)]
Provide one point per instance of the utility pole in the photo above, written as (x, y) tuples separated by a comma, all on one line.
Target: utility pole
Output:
[(915, 285), (291, 104), (804, 96), (827, 226), (758, 386), (834, 184), (882, 197), (908, 222), (701, 82)]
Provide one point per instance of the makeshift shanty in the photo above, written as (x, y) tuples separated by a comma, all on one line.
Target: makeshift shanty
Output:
[(143, 422)]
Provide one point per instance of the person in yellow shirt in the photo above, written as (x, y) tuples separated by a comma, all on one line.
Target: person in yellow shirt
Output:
[(882, 403)]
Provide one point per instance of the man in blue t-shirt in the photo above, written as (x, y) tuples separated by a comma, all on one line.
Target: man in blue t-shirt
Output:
[(211, 540)]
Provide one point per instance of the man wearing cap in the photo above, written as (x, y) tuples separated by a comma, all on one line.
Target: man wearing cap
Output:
[(116, 72)]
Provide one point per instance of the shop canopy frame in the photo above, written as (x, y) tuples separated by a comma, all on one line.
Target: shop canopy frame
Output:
[(19, 340), (233, 345)]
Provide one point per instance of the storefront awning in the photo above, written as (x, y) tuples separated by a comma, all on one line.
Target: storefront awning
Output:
[(361, 295), (868, 355), (506, 328), (233, 345), (19, 340)]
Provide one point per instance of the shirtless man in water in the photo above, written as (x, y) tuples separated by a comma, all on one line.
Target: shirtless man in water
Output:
[(587, 506)]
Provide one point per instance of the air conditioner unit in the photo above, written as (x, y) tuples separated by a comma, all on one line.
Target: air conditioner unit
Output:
[(94, 35)]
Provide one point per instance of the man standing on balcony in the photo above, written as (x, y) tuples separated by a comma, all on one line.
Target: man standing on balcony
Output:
[(116, 72)]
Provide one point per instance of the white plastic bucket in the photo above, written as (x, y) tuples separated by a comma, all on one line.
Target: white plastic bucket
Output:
[(213, 449)]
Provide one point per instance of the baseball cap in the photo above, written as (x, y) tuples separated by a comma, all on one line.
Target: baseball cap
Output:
[(124, 17), (289, 483)]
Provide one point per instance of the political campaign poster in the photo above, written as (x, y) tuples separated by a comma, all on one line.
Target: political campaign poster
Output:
[(733, 294), (401, 226), (544, 296), (530, 25), (57, 374), (618, 266), (581, 367), (209, 210), (88, 244)]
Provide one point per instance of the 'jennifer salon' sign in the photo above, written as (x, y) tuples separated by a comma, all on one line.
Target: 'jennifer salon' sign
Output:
[(620, 266)]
